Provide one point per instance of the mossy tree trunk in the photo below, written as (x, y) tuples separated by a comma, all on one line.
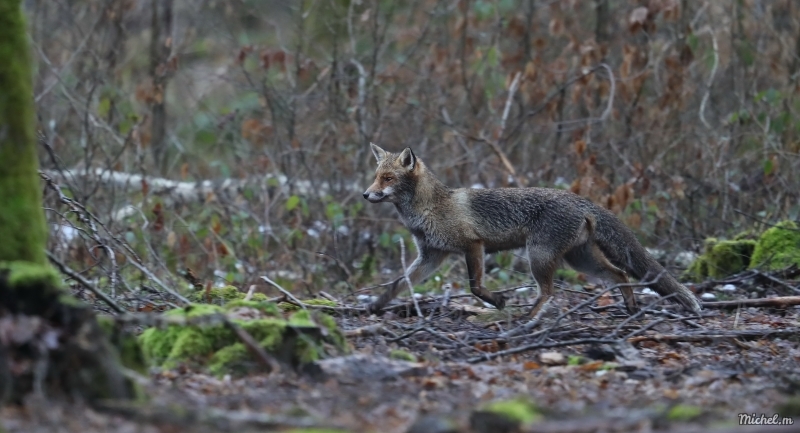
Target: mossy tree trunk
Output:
[(22, 225), (63, 352)]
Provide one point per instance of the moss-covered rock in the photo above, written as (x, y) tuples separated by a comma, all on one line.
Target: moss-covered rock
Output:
[(729, 257), (778, 247), (204, 342)]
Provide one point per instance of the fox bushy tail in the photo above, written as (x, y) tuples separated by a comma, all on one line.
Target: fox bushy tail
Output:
[(622, 248)]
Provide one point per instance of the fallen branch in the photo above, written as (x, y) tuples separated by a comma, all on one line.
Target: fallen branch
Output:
[(534, 346), (83, 282), (364, 330), (747, 333), (268, 361), (285, 292), (778, 302)]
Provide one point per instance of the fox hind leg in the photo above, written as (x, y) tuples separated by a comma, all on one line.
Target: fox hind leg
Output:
[(543, 263), (588, 258)]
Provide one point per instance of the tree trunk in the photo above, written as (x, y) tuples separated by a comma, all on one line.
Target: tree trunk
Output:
[(50, 342), (23, 232)]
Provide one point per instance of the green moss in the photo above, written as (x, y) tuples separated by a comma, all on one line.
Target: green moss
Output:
[(127, 344), (402, 355), (683, 412), (268, 331), (265, 307), (721, 258), (520, 410), (301, 318), (218, 295), (334, 333), (288, 306), (778, 247), (568, 275), (22, 223), (230, 359), (698, 270), (28, 274), (729, 257)]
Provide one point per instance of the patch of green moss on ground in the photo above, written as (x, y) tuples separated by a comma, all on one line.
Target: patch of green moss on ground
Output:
[(288, 306), (683, 412), (402, 355), (265, 307), (778, 247), (223, 295), (520, 410), (218, 348)]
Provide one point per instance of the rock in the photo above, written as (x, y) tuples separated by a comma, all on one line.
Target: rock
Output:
[(552, 358), (727, 288), (372, 367), (708, 297)]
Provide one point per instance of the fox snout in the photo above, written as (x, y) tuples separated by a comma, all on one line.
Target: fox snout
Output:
[(374, 196)]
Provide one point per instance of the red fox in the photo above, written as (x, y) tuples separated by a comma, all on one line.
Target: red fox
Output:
[(551, 224)]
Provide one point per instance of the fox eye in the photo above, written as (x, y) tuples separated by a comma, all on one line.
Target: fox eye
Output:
[(388, 178)]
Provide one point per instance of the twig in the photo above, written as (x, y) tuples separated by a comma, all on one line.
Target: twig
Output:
[(158, 281), (511, 91), (766, 223), (83, 282), (285, 292), (778, 302), (407, 279), (531, 324), (272, 365), (364, 330), (640, 313), (250, 292), (710, 79)]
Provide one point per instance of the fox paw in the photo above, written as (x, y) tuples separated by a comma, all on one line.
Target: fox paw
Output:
[(375, 308), (498, 300)]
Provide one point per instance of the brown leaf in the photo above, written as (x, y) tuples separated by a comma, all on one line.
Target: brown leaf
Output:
[(605, 300), (531, 365)]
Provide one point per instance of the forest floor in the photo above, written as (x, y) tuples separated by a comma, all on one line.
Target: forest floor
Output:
[(586, 367)]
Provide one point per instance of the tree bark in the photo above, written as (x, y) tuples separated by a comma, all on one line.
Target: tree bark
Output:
[(23, 232)]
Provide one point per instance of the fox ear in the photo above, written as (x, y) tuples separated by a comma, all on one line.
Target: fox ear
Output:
[(407, 159), (379, 153)]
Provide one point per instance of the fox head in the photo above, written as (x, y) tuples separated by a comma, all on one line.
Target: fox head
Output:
[(395, 177)]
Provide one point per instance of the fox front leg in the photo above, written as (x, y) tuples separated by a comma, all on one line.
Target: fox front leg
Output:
[(474, 256), (423, 266)]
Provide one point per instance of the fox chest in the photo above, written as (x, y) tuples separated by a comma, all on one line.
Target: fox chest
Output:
[(434, 234)]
